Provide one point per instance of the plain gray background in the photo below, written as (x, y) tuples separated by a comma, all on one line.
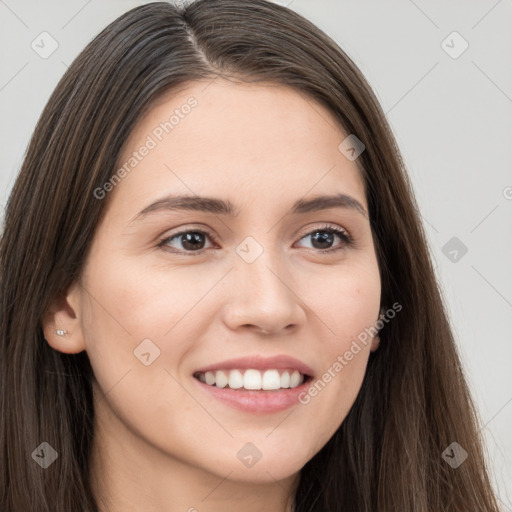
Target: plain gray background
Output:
[(450, 112)]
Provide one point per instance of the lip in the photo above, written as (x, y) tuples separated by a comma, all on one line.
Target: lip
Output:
[(256, 401), (257, 362)]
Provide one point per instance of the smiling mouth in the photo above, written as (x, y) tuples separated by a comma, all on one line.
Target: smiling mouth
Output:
[(252, 379)]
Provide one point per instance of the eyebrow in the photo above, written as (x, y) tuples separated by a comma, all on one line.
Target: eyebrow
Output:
[(222, 207)]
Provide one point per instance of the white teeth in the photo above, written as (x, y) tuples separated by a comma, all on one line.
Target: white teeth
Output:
[(221, 379), (271, 380), (252, 379), (294, 379), (236, 379)]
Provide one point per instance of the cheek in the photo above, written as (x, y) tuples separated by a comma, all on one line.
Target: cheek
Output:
[(137, 301), (347, 308), (345, 299), (135, 316), (131, 311)]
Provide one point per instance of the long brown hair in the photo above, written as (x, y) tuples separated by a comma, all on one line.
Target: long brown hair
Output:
[(414, 401)]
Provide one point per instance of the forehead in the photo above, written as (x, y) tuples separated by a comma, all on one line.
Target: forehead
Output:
[(236, 140)]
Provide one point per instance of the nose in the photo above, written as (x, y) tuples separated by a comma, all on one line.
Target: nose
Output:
[(261, 298)]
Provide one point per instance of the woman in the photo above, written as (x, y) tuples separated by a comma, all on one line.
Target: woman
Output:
[(216, 290)]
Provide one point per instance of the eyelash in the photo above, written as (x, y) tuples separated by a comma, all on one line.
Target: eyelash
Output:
[(347, 240)]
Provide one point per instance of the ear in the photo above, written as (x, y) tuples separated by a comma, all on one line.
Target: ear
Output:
[(64, 314), (376, 338), (375, 343)]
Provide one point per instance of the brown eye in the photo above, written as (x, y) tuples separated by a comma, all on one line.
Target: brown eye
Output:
[(188, 241), (324, 238)]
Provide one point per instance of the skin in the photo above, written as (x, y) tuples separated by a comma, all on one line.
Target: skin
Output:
[(162, 443)]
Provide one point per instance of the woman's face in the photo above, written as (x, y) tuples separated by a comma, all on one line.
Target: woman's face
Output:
[(186, 286)]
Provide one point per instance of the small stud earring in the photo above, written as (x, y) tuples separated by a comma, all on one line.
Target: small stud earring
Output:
[(61, 332)]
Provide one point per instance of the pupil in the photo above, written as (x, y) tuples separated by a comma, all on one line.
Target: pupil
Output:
[(192, 240), (322, 237)]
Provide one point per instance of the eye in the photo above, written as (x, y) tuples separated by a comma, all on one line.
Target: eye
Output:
[(190, 241), (193, 240), (323, 237)]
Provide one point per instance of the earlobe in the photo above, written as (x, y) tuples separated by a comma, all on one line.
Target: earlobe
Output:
[(376, 338), (62, 323)]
